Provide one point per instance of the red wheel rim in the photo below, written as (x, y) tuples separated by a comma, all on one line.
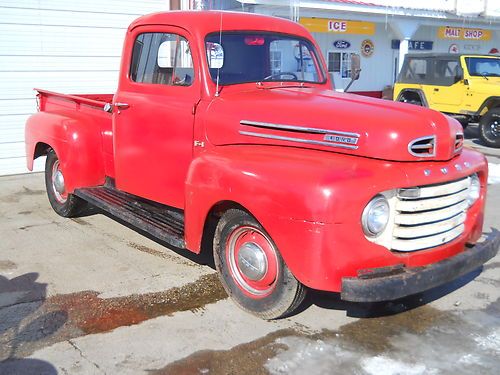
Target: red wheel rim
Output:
[(253, 261)]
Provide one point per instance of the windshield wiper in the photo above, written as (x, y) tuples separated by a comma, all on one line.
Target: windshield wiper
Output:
[(484, 76), (282, 85)]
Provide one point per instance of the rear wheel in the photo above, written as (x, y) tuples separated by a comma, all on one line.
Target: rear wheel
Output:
[(251, 268), (63, 203), (489, 128)]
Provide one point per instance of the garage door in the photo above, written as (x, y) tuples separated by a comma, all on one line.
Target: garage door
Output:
[(61, 45)]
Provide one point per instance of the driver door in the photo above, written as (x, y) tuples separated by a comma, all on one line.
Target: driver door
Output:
[(153, 126)]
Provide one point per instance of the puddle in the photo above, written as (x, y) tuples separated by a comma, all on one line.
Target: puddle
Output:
[(419, 341), (87, 313), (244, 359), (95, 315)]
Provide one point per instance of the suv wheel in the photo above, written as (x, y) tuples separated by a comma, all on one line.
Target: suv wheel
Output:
[(489, 128)]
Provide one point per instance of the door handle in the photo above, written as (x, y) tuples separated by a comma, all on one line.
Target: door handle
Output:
[(121, 105), (436, 89)]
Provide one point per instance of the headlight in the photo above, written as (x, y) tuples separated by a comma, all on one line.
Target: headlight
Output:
[(375, 216), (474, 189)]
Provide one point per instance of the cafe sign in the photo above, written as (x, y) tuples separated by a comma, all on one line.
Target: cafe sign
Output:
[(337, 26), (462, 33)]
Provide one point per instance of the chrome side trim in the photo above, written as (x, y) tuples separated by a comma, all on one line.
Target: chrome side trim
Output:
[(296, 128), (299, 140)]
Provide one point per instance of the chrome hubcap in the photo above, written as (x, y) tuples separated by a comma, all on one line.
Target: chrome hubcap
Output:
[(58, 185), (252, 261), (59, 182)]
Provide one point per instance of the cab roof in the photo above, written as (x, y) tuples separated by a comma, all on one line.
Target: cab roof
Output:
[(201, 23)]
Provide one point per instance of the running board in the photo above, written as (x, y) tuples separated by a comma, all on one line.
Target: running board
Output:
[(162, 222)]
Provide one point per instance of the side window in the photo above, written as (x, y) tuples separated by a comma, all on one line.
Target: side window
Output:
[(340, 62), (415, 70), (161, 58), (445, 72)]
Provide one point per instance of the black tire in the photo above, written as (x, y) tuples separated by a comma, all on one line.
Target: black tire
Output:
[(284, 294), (489, 128), (410, 98), (65, 205)]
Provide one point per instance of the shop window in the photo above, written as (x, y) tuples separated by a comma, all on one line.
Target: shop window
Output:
[(161, 58), (340, 62)]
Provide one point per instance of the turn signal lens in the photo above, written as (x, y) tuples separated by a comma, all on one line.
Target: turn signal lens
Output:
[(474, 189)]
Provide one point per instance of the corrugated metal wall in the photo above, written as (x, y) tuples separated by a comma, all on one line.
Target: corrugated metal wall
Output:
[(62, 45)]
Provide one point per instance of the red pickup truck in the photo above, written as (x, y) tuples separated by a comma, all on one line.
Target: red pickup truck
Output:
[(225, 127)]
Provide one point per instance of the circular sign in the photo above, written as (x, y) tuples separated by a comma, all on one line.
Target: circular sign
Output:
[(367, 47), (454, 48), (341, 44)]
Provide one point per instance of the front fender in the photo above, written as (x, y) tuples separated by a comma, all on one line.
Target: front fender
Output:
[(311, 203), (76, 140)]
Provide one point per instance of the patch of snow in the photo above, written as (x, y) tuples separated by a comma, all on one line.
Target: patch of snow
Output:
[(494, 173), (387, 366), (306, 356), (469, 359), (489, 342)]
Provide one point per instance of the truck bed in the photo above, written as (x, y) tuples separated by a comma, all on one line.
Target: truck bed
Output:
[(87, 109), (48, 99)]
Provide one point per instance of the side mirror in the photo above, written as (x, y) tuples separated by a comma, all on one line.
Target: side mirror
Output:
[(355, 66), (355, 69), (166, 54)]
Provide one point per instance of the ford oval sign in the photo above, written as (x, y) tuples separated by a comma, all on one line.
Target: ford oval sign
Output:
[(341, 44)]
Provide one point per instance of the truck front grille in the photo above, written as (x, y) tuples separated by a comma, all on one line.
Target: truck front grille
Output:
[(429, 216)]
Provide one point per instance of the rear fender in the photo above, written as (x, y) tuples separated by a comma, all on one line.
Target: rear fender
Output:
[(417, 92), (76, 139)]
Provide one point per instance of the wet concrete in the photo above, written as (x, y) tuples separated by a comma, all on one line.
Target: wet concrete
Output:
[(67, 316), (396, 344)]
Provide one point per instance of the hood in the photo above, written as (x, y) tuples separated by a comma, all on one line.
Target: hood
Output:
[(330, 121), (490, 86)]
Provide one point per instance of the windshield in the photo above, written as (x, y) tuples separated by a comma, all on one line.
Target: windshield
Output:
[(240, 57), (483, 66)]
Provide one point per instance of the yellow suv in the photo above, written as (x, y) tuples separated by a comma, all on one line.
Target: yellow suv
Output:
[(466, 87)]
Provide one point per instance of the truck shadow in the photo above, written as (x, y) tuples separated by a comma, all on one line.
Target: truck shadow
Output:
[(204, 258), (21, 324), (332, 301)]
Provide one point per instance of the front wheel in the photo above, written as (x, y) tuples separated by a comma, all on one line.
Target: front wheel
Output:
[(489, 128), (251, 268), (63, 203)]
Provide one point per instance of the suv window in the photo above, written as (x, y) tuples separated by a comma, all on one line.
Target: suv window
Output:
[(415, 70), (161, 58), (430, 71)]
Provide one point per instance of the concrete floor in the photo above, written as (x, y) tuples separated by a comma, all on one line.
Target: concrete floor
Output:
[(90, 296)]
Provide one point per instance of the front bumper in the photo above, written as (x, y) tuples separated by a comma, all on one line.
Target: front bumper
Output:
[(389, 283)]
